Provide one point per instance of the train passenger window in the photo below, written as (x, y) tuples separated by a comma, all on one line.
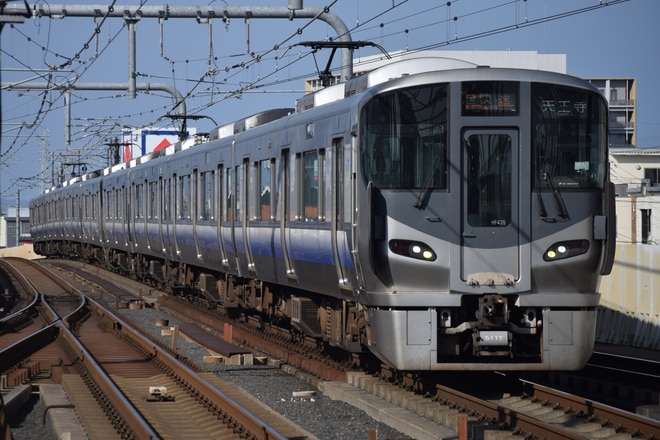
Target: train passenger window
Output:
[(183, 198), (404, 139), (139, 201), (220, 203), (207, 195), (569, 138), (229, 198), (238, 205), (165, 203), (118, 213), (310, 186), (265, 196), (326, 185), (153, 207)]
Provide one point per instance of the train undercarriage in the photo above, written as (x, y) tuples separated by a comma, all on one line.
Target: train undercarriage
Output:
[(336, 322)]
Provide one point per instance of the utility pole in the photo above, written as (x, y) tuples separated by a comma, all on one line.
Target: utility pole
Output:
[(18, 217), (113, 152)]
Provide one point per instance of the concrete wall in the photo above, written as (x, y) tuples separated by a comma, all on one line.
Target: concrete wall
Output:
[(24, 251), (629, 311)]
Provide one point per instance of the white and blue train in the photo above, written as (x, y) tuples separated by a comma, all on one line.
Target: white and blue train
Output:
[(444, 218)]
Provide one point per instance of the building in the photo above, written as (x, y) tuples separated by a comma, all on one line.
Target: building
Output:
[(636, 175), (10, 235), (621, 95)]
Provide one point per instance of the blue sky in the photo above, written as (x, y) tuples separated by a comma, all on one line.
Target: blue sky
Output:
[(613, 41)]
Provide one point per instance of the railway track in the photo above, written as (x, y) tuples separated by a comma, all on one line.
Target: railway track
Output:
[(120, 384), (532, 411)]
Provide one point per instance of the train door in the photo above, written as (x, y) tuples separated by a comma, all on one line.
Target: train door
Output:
[(221, 207), (248, 185), (168, 215), (286, 190), (196, 208), (340, 246), (128, 195), (490, 235)]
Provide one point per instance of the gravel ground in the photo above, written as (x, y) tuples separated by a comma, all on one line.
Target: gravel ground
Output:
[(325, 418), (28, 425)]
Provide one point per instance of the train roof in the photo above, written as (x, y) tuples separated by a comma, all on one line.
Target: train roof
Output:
[(381, 75)]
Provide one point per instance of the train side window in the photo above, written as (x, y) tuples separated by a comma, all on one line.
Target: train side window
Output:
[(183, 198), (310, 186), (238, 205), (264, 190), (139, 201), (118, 213), (152, 207), (230, 196), (252, 190), (193, 195), (165, 203), (206, 198), (220, 203), (326, 184)]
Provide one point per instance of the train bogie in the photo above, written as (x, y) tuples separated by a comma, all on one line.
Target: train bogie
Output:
[(443, 219)]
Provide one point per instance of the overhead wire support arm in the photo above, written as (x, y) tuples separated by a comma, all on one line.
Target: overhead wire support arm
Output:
[(224, 13), (326, 75)]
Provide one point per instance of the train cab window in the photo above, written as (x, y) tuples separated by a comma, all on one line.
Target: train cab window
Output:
[(569, 138), (488, 177), (404, 139)]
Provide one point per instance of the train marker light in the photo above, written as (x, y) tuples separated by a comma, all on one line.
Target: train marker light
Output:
[(566, 249), (413, 249)]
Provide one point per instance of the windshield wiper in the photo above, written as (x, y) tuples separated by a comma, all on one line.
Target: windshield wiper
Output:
[(428, 184), (562, 214)]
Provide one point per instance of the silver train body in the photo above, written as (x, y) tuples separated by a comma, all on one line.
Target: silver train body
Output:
[(443, 218)]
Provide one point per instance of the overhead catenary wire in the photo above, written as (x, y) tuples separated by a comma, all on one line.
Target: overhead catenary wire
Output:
[(218, 79)]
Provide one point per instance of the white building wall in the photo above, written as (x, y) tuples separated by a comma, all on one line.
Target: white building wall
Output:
[(627, 167)]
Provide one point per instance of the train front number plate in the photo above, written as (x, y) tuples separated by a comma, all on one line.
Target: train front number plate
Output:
[(494, 338)]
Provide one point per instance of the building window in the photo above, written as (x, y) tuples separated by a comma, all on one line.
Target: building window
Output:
[(646, 225), (653, 176)]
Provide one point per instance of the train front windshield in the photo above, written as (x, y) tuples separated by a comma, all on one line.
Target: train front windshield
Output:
[(569, 135), (404, 142)]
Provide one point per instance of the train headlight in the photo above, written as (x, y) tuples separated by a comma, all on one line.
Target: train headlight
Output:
[(413, 249), (566, 249)]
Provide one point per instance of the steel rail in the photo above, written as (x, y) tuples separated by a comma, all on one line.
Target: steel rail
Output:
[(639, 426), (253, 424), (505, 416), (61, 327)]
